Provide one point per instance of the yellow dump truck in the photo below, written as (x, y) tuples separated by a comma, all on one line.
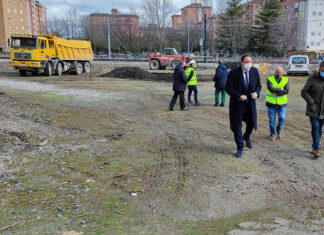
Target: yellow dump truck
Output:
[(49, 55)]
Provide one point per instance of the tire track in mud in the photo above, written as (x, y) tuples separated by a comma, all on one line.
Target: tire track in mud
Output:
[(171, 161)]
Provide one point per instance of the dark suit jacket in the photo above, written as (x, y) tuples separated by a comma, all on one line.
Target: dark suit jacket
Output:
[(236, 87), (179, 79)]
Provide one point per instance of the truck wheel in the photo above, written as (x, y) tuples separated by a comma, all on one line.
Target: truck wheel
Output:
[(48, 69), (59, 69), (23, 72), (86, 67), (175, 63), (79, 69), (154, 64), (34, 73)]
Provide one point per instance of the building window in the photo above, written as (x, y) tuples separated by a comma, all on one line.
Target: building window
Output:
[(23, 27), (14, 3), (319, 33), (10, 26), (321, 3), (21, 12), (312, 43), (22, 19), (314, 13), (16, 26), (9, 18), (8, 2), (15, 11), (319, 13), (296, 5), (318, 44), (313, 33), (21, 4), (8, 10)]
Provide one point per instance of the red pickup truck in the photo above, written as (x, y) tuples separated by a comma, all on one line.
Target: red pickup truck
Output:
[(169, 56)]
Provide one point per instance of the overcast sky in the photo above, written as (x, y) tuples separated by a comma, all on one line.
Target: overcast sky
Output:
[(59, 7)]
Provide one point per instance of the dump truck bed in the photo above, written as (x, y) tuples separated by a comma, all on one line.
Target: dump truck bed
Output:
[(73, 49)]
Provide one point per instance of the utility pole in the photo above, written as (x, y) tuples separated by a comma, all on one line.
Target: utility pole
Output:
[(109, 49), (188, 36), (205, 37)]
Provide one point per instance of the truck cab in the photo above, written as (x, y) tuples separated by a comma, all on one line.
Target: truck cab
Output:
[(170, 51), (30, 53)]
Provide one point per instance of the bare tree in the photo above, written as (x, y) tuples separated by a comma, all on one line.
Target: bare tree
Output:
[(55, 27), (70, 24), (85, 27), (132, 10), (284, 33), (219, 5), (157, 14), (203, 2)]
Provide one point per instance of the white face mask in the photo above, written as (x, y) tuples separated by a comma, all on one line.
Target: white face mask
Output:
[(195, 66), (247, 66)]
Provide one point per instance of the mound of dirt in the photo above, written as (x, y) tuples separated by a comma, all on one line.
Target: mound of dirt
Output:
[(130, 73), (140, 74)]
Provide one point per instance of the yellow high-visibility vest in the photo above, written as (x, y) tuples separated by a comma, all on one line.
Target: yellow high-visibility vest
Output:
[(193, 80), (275, 99)]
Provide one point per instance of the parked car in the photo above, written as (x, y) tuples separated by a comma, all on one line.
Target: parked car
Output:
[(298, 64)]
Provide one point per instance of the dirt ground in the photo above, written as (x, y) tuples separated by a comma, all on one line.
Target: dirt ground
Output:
[(101, 155)]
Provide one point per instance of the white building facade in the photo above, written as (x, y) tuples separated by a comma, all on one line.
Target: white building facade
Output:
[(314, 25)]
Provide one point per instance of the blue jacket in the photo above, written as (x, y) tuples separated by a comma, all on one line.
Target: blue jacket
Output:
[(220, 77), (179, 79)]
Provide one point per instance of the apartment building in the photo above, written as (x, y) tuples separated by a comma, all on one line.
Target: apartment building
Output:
[(313, 24), (252, 8), (307, 14), (37, 17), (20, 17), (125, 23), (191, 14)]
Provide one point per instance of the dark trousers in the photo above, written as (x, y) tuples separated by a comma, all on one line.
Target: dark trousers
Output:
[(175, 97), (247, 117), (195, 90), (317, 126)]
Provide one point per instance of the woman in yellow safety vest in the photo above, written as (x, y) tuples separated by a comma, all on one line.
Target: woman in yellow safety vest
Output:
[(192, 82)]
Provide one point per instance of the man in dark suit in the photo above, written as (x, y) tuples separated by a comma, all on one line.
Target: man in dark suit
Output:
[(179, 86), (244, 87)]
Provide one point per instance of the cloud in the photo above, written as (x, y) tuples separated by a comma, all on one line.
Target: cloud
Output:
[(59, 8)]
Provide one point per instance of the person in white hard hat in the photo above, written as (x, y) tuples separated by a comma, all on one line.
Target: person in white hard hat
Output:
[(192, 82)]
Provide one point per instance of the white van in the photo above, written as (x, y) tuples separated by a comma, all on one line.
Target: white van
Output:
[(298, 64)]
